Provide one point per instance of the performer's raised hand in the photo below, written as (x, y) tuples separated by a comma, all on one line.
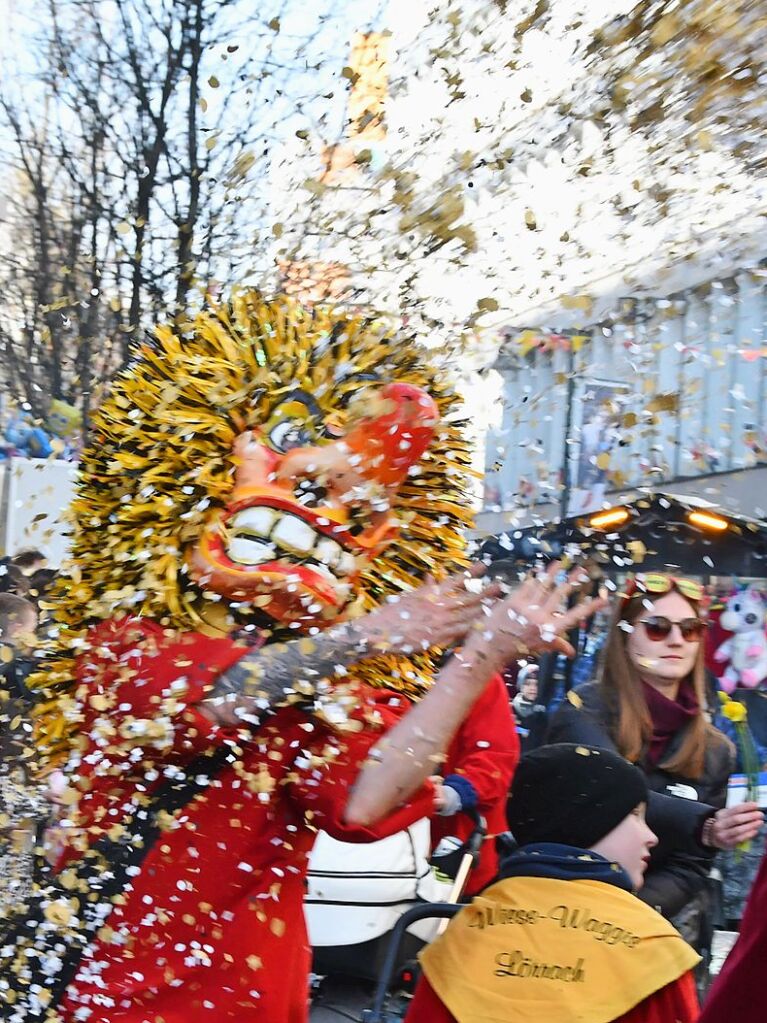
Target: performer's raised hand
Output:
[(533, 619), (434, 615)]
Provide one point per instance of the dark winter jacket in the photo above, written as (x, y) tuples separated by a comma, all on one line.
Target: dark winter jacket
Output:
[(677, 807), (16, 703)]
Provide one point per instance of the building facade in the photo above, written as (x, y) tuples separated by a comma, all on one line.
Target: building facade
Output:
[(665, 393)]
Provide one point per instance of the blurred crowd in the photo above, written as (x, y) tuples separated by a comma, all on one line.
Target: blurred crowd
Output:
[(58, 435)]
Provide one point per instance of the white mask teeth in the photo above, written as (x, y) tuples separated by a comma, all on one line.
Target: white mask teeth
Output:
[(250, 552), (294, 534), (328, 552), (254, 520), (269, 534)]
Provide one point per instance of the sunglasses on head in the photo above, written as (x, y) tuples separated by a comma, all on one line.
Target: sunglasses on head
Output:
[(659, 627), (659, 582)]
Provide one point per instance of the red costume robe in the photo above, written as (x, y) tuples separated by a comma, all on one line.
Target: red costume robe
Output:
[(485, 750), (737, 993), (212, 928)]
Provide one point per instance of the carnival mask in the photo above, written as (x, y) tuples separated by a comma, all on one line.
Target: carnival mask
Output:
[(312, 502)]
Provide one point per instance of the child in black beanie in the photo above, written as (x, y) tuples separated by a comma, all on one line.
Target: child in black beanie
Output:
[(561, 936)]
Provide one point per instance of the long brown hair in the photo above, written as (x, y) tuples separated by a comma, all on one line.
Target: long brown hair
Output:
[(621, 684)]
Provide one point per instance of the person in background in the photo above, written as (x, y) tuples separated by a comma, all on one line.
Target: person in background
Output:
[(649, 705), (29, 560), (22, 805), (558, 675), (12, 579), (530, 715), (18, 622), (40, 582), (478, 769), (17, 618), (561, 936)]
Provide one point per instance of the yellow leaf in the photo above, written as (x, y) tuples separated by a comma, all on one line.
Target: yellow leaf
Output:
[(663, 403), (316, 187), (59, 912), (665, 30), (705, 140), (637, 550), (213, 82), (583, 302)]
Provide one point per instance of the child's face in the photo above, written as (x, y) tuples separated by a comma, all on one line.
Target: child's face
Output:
[(530, 689), (629, 844)]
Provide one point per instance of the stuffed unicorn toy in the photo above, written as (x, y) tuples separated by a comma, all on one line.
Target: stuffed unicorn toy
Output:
[(746, 650)]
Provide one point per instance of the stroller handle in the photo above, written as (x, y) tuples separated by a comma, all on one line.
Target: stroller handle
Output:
[(477, 836), (432, 909)]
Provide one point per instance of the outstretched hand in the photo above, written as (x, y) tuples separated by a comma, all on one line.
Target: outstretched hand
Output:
[(434, 615), (493, 631), (533, 619), (530, 620)]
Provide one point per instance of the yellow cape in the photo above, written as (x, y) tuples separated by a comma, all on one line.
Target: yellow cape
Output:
[(534, 948)]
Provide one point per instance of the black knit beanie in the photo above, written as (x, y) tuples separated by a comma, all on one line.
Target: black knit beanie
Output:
[(572, 794)]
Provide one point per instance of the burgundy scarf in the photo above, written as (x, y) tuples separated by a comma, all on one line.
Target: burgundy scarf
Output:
[(668, 717)]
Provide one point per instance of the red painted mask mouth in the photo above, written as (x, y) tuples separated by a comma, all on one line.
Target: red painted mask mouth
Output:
[(305, 520), (267, 544)]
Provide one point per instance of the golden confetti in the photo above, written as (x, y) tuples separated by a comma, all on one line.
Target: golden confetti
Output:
[(60, 912)]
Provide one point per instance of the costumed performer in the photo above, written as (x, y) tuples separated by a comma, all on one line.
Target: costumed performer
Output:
[(264, 489)]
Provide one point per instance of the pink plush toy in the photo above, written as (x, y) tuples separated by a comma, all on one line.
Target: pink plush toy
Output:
[(746, 650)]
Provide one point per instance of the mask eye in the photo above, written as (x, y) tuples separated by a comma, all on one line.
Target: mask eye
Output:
[(290, 434), (333, 427)]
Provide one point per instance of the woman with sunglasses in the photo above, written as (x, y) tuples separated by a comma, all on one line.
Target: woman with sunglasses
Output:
[(649, 704)]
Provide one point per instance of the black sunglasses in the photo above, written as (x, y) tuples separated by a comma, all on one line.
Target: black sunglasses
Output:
[(659, 627)]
